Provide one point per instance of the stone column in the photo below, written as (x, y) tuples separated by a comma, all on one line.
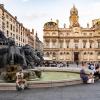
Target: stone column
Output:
[(80, 44), (64, 44), (50, 43), (71, 44), (87, 44)]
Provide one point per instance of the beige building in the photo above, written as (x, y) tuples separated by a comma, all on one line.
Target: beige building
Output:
[(74, 43), (12, 28), (38, 44)]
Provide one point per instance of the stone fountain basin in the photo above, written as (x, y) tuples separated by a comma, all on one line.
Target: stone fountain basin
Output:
[(43, 82)]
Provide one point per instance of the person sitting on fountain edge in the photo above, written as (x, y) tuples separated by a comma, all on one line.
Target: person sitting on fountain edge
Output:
[(20, 81), (83, 74)]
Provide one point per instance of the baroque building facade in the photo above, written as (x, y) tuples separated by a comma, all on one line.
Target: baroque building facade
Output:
[(11, 27), (72, 44)]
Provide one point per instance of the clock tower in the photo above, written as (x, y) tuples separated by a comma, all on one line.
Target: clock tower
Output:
[(74, 17)]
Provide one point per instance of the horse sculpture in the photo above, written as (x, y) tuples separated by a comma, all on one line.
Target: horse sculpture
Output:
[(31, 56), (25, 56)]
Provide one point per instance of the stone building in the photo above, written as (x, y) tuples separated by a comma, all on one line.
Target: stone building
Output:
[(38, 44), (73, 44), (11, 27)]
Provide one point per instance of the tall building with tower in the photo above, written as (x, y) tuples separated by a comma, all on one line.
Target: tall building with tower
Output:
[(73, 44)]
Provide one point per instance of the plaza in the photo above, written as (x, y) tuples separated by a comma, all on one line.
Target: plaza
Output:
[(52, 69), (75, 92)]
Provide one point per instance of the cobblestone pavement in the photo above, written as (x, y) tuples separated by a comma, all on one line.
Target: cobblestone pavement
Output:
[(76, 92)]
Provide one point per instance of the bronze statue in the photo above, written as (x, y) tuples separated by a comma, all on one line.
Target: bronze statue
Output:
[(13, 57), (26, 56)]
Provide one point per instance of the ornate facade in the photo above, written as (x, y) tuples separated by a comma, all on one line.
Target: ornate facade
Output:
[(74, 43)]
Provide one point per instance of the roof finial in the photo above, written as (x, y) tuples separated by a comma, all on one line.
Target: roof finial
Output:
[(74, 6)]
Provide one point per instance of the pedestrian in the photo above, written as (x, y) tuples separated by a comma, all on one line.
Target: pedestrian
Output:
[(83, 74), (20, 81), (90, 78), (67, 64)]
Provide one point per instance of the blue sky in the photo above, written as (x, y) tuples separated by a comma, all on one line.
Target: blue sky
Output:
[(34, 13)]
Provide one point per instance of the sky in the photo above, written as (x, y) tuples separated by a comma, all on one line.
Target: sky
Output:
[(35, 13)]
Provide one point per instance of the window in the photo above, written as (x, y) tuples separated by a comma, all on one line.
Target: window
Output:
[(54, 54), (98, 32), (7, 24), (84, 34), (16, 29), (90, 34), (61, 53), (67, 53), (47, 44), (90, 45), (91, 53), (61, 44), (98, 53), (11, 26), (19, 38), (67, 44), (21, 33), (54, 44), (84, 53), (67, 33), (98, 44), (11, 34), (53, 34), (84, 44), (7, 16), (47, 54), (16, 36), (11, 19)]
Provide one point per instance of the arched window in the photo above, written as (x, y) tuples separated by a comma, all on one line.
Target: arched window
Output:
[(84, 53), (54, 54), (67, 53), (91, 53), (47, 54), (61, 53)]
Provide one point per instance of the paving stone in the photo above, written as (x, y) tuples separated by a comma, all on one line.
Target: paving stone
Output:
[(75, 92)]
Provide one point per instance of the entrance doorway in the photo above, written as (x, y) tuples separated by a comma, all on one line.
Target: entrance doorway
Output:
[(76, 56)]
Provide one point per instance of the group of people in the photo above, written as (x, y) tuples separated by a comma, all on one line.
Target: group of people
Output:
[(93, 73)]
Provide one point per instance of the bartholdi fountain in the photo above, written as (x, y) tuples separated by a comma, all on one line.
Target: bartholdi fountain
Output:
[(14, 58)]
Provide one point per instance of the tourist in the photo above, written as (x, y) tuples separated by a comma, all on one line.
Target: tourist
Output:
[(83, 74), (67, 64), (20, 81), (97, 72), (90, 78)]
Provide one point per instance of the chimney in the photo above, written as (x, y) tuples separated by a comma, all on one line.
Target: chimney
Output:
[(87, 25)]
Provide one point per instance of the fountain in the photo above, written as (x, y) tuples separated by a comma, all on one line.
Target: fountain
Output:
[(13, 58)]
